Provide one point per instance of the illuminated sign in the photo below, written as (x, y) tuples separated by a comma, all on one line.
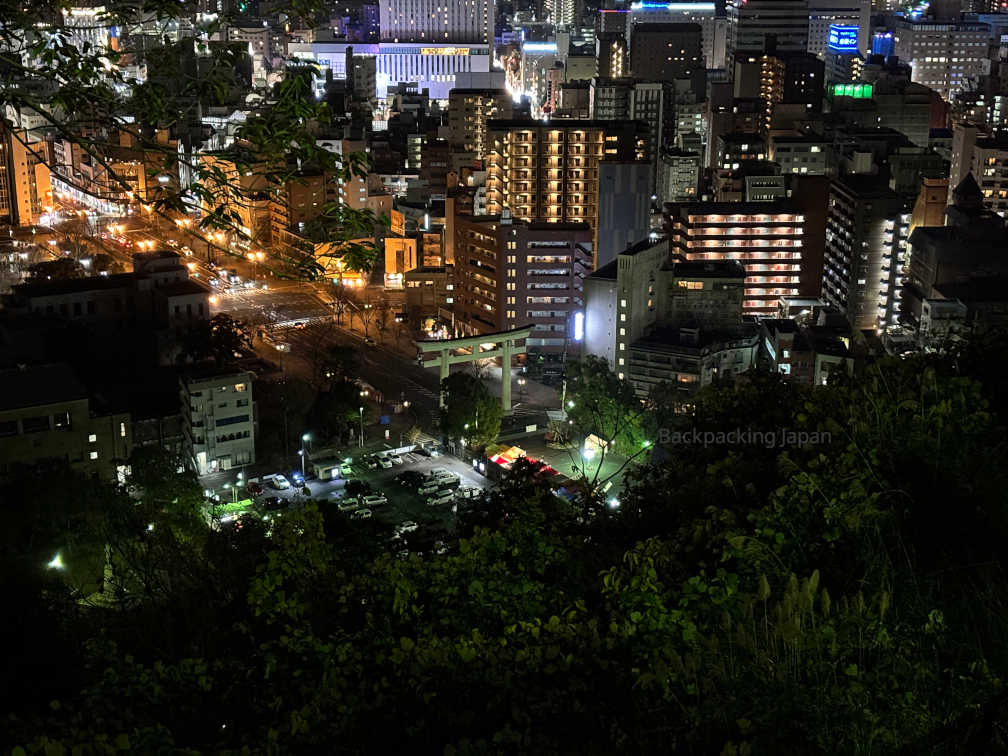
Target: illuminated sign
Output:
[(674, 7), (843, 39), (539, 47), (857, 91), (397, 223), (444, 51)]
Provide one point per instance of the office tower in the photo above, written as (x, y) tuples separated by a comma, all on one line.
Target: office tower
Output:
[(510, 274), (947, 57), (435, 22), (714, 24), (766, 237), (888, 103), (25, 185), (852, 16), (646, 101), (866, 250), (668, 53), (771, 26), (986, 157), (468, 113), (566, 171)]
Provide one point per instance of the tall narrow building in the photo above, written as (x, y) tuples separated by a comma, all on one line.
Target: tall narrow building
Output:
[(571, 171)]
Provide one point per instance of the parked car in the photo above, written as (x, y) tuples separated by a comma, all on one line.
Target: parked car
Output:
[(272, 506), (278, 482), (428, 488), (374, 500), (441, 497), (253, 488), (361, 514), (468, 493), (395, 459), (406, 527), (348, 505), (384, 462), (447, 480), (346, 470), (411, 478)]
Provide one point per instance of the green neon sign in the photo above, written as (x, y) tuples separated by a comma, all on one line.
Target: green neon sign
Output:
[(857, 91)]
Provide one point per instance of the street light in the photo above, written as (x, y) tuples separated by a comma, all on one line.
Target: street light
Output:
[(301, 453), (56, 563), (306, 439), (362, 426)]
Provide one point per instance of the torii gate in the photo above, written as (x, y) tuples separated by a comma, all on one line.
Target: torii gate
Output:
[(505, 348)]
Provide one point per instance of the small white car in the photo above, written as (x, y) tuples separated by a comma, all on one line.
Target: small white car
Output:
[(407, 527), (436, 472), (349, 505), (279, 482), (361, 514), (428, 488), (346, 470), (441, 497), (374, 500), (395, 459), (384, 462)]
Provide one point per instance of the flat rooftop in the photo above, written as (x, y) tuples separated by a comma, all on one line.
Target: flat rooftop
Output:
[(39, 385)]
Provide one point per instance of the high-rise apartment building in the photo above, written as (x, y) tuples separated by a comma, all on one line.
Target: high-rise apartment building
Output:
[(766, 237), (948, 57), (566, 171), (866, 250), (436, 22), (511, 274), (468, 113)]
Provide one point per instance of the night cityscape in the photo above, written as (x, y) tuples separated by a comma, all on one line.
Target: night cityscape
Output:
[(539, 376)]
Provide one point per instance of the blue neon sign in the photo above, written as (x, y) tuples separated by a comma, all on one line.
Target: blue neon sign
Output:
[(843, 39)]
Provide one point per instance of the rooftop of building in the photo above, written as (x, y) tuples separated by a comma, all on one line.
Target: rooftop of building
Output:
[(643, 245), (706, 268), (74, 285), (979, 289), (561, 123), (181, 288), (607, 272), (741, 137), (38, 385), (799, 139), (692, 338)]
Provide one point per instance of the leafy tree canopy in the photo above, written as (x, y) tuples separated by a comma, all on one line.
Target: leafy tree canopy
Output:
[(470, 412)]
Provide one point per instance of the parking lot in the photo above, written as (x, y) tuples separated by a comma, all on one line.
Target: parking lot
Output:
[(404, 503)]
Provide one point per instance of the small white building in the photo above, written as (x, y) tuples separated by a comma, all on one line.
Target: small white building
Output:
[(219, 419)]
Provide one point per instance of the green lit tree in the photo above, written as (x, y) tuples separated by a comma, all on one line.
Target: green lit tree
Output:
[(470, 413)]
